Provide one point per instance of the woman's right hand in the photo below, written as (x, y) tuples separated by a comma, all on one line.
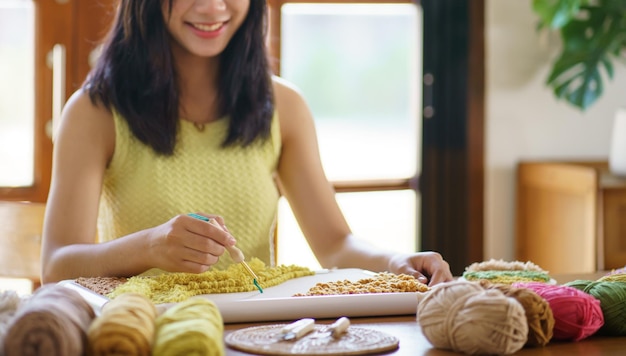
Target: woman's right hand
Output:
[(187, 244)]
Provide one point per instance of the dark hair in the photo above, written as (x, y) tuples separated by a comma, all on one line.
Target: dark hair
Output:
[(135, 76)]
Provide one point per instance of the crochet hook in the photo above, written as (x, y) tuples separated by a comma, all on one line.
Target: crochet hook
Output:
[(235, 254)]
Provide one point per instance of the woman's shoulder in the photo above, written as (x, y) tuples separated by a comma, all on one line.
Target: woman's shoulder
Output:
[(85, 121), (289, 101), (285, 91), (293, 111), (80, 104)]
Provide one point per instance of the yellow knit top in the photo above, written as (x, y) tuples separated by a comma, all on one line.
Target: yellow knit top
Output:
[(142, 189)]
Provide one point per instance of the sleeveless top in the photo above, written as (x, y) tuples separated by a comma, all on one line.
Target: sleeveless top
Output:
[(142, 189)]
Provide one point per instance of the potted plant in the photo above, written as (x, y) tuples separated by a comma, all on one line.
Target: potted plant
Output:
[(593, 34)]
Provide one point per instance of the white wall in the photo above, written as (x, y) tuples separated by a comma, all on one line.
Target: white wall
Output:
[(524, 120)]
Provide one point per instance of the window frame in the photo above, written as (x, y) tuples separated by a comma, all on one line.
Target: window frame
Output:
[(78, 26), (452, 177)]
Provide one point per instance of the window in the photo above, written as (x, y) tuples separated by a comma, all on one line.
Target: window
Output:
[(40, 68), (358, 66), (17, 94)]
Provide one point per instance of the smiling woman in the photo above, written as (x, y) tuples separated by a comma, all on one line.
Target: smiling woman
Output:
[(80, 27), (126, 144), (391, 70)]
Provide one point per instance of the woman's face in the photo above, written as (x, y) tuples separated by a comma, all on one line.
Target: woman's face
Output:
[(204, 27)]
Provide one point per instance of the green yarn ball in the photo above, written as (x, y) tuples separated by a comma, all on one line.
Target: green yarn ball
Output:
[(612, 297)]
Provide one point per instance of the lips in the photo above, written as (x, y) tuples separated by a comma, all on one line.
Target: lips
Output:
[(207, 27)]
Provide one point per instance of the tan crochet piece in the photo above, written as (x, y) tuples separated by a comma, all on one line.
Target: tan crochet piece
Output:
[(100, 285), (383, 282), (177, 287), (501, 265)]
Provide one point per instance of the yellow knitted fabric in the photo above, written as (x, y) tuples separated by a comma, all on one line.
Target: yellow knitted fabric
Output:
[(142, 189), (178, 287), (617, 277)]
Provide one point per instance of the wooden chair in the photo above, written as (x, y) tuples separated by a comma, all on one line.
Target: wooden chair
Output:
[(21, 225)]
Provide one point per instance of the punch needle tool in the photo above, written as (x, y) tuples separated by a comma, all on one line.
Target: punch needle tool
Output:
[(235, 254), (297, 329), (335, 330)]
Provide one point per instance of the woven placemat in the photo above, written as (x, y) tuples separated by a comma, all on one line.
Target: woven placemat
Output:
[(265, 340)]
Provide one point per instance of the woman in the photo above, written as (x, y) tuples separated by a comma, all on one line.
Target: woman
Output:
[(181, 114)]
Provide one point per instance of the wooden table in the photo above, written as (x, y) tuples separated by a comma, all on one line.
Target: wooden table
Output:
[(414, 343)]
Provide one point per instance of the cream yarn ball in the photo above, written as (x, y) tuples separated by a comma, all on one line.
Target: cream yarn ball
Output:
[(465, 317)]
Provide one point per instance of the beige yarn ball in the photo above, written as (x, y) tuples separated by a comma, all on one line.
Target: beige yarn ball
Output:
[(464, 317), (538, 312)]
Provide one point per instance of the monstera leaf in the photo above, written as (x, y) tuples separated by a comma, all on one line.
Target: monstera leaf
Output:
[(593, 35)]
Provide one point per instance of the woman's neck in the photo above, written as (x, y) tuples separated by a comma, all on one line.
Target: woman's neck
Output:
[(197, 81)]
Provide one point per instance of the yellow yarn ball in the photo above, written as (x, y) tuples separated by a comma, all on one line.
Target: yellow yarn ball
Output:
[(192, 327), (125, 327)]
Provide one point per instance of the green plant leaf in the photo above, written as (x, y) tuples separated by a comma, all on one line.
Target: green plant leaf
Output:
[(608, 67), (590, 42), (575, 82), (557, 13)]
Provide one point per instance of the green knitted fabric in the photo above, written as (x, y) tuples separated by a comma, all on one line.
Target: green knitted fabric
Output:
[(142, 189), (507, 277)]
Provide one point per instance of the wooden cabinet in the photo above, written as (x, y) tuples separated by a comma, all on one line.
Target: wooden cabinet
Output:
[(570, 216)]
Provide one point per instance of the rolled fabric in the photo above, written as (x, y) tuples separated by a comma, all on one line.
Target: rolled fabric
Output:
[(54, 321), (192, 327), (125, 327)]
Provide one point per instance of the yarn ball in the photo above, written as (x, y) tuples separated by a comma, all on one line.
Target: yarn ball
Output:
[(192, 327), (577, 315), (538, 313), (125, 327), (9, 303), (464, 317), (54, 321), (612, 297)]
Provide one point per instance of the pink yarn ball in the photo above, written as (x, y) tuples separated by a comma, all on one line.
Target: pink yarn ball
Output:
[(577, 315)]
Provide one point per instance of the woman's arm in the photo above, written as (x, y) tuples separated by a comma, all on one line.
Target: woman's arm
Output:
[(82, 149), (312, 199)]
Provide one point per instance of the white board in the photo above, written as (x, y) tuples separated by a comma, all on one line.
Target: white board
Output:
[(278, 303)]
